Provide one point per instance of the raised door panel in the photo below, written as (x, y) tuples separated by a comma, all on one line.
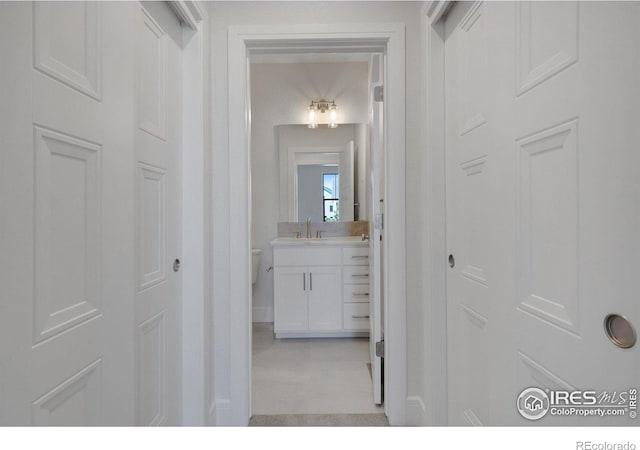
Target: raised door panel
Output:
[(325, 298), (151, 71), (290, 287), (548, 226), (76, 401), (547, 41), (67, 233), (472, 53), (152, 369), (152, 222), (475, 362), (67, 44)]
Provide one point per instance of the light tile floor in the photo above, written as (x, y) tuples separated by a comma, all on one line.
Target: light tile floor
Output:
[(310, 376)]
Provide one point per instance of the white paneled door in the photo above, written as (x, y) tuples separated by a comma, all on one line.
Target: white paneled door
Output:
[(66, 313), (543, 198), (158, 136), (76, 239)]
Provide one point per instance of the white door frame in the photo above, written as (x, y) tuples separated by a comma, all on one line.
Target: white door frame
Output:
[(432, 30), (360, 37)]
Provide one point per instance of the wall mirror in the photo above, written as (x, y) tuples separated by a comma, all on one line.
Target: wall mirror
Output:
[(320, 173)]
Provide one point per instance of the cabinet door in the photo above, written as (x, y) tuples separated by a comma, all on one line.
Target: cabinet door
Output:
[(290, 299), (325, 298)]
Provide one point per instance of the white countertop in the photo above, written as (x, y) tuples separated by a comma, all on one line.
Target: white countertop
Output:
[(325, 241)]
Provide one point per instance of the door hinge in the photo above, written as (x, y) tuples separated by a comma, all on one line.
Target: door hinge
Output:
[(380, 349), (378, 93)]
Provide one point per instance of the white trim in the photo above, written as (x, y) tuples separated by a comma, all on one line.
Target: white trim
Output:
[(321, 334), (304, 156), (416, 411), (319, 38), (189, 12), (195, 295), (220, 413), (262, 314), (435, 311), (435, 10)]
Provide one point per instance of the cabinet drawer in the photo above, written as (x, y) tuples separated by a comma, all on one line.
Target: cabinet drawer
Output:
[(358, 293), (356, 316), (355, 256), (305, 256), (356, 274)]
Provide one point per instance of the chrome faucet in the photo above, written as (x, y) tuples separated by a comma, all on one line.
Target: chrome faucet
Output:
[(308, 227)]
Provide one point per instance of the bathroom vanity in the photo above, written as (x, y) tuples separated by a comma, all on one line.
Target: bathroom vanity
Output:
[(321, 287)]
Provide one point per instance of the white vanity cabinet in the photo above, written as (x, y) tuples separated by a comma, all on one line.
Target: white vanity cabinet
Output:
[(320, 287), (308, 298), (355, 288)]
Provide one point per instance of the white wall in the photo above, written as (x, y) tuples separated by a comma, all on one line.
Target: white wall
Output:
[(280, 93), (224, 14)]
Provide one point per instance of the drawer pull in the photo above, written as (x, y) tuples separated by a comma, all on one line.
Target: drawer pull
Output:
[(360, 295), (359, 275), (359, 317), (360, 256)]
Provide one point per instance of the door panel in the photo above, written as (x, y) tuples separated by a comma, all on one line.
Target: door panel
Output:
[(325, 298), (67, 212), (376, 206), (291, 305), (72, 186), (158, 153), (347, 185), (542, 203), (471, 169)]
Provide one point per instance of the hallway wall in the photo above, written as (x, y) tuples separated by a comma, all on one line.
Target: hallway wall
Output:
[(224, 14)]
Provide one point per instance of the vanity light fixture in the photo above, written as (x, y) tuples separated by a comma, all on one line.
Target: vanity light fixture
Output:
[(322, 106)]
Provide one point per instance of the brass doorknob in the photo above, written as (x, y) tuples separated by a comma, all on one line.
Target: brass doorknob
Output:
[(620, 331)]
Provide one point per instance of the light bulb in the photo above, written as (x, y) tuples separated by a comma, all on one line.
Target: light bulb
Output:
[(312, 117), (333, 116)]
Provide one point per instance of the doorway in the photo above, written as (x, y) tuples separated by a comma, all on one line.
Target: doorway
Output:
[(315, 171), (379, 38)]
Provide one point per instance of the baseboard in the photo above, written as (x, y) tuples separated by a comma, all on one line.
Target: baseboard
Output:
[(416, 411), (262, 314), (220, 413)]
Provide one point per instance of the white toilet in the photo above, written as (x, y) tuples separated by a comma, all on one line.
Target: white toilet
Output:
[(255, 263)]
